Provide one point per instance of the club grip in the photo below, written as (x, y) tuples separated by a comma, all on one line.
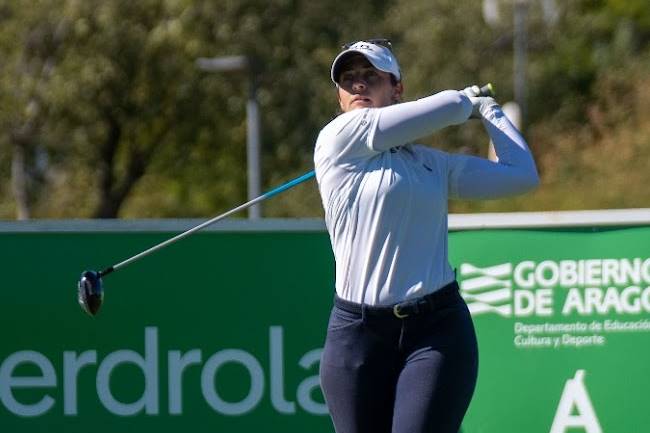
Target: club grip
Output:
[(487, 90)]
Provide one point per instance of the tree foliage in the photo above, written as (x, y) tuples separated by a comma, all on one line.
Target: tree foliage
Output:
[(104, 113)]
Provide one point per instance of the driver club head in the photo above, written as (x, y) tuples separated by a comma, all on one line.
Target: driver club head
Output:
[(90, 292)]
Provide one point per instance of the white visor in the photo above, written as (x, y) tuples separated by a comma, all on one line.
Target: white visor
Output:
[(380, 57)]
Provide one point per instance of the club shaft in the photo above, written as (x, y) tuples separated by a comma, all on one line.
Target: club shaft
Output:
[(486, 90), (186, 233)]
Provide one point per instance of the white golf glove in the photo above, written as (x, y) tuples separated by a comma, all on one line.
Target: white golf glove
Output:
[(479, 103), (472, 91)]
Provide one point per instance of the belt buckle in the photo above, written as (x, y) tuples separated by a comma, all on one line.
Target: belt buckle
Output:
[(397, 313), (416, 307)]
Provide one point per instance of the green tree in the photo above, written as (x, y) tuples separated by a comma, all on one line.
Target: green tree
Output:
[(31, 47), (104, 113), (134, 129), (110, 90)]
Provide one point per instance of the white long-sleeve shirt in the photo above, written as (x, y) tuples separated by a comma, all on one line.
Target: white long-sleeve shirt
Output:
[(385, 199)]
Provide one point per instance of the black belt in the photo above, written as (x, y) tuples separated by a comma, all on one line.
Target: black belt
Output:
[(411, 307)]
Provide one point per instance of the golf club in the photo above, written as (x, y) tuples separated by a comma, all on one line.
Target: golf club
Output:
[(90, 287), (90, 292)]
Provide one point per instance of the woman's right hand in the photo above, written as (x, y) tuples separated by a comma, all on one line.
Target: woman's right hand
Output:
[(479, 97)]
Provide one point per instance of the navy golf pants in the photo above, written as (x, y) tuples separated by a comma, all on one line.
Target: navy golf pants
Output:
[(384, 374)]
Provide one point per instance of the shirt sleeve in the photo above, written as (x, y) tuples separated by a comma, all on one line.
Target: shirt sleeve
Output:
[(514, 173), (400, 124), (363, 133)]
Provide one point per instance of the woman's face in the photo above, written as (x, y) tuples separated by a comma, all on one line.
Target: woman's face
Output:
[(361, 86)]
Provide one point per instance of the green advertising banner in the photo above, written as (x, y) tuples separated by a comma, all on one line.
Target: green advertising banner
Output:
[(223, 331), (563, 320)]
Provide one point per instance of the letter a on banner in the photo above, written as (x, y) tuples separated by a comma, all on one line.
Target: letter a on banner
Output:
[(575, 395)]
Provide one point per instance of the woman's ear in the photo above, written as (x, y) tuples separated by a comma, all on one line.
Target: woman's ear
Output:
[(398, 92)]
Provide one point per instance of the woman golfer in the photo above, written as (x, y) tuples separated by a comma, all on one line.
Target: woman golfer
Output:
[(400, 354)]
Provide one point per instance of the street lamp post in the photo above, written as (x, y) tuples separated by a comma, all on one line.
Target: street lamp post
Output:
[(492, 14), (244, 64), (520, 49)]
